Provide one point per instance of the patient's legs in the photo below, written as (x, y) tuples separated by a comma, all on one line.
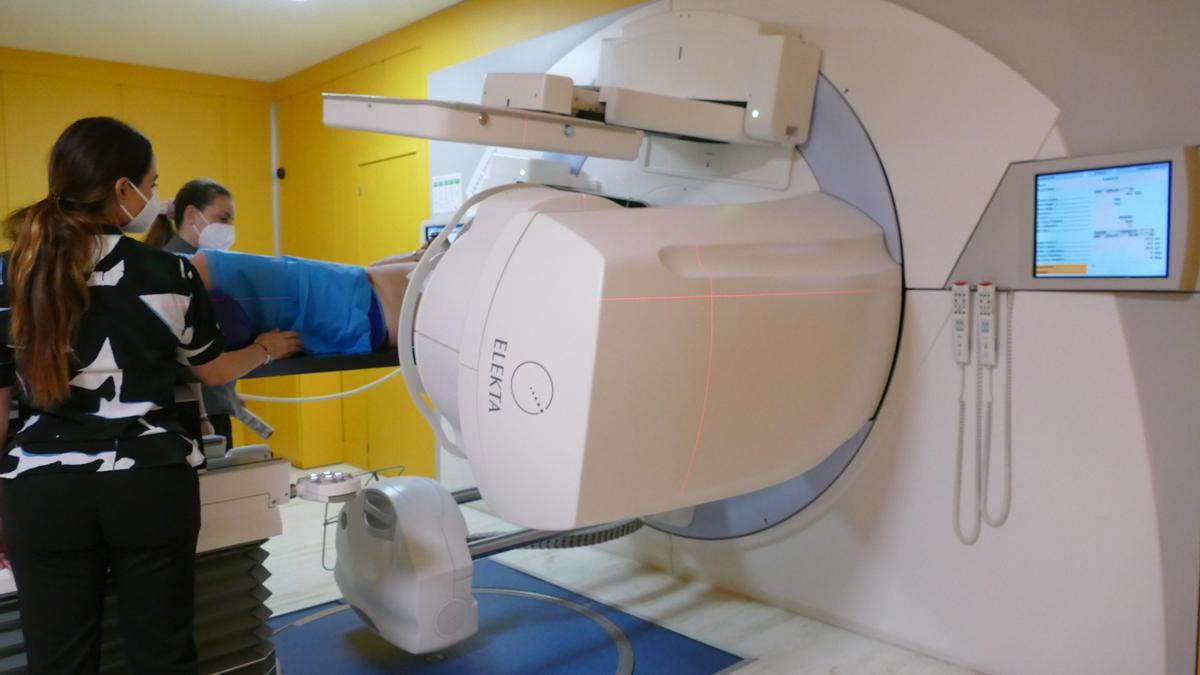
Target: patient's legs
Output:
[(389, 280), (330, 305)]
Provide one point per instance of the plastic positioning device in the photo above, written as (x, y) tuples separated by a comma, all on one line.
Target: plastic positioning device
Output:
[(329, 486)]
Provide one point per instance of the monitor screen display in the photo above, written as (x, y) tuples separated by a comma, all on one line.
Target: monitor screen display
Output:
[(1103, 223), (432, 231)]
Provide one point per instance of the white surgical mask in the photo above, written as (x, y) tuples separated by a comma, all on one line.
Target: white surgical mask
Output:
[(215, 235), (141, 222)]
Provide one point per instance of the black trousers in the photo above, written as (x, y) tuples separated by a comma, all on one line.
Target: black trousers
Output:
[(223, 426), (67, 531)]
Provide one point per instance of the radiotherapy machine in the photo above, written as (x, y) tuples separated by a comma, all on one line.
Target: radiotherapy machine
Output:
[(816, 291)]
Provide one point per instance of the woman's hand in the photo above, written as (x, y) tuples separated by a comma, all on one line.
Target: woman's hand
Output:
[(279, 344), (229, 366)]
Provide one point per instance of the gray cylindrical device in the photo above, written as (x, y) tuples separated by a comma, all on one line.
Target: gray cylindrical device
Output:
[(254, 422)]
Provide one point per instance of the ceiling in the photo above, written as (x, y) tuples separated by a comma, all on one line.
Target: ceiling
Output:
[(262, 40)]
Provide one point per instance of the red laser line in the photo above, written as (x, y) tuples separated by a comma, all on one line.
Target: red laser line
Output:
[(712, 309), (724, 296)]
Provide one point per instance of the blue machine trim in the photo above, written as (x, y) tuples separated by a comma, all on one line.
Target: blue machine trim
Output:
[(518, 633)]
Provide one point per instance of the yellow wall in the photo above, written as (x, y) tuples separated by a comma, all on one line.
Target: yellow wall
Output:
[(354, 197), (348, 196), (200, 125)]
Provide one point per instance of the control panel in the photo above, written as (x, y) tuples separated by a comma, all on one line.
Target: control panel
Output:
[(1118, 222)]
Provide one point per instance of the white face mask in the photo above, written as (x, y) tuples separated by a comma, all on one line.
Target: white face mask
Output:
[(215, 235), (141, 222)]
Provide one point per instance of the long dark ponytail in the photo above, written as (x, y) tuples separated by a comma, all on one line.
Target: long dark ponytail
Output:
[(55, 248)]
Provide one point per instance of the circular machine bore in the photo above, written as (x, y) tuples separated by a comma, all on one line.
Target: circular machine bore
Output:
[(842, 158)]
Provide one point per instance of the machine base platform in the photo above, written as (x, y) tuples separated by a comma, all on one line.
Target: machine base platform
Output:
[(526, 625)]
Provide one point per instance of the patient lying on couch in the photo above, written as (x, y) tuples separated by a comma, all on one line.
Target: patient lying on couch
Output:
[(336, 308)]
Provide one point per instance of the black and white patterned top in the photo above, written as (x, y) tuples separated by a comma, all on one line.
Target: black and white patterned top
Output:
[(148, 311), (223, 398)]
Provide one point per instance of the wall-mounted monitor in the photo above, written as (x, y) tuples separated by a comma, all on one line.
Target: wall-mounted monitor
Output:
[(1125, 221), (430, 230), (1104, 222)]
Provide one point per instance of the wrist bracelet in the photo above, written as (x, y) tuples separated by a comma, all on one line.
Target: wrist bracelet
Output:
[(267, 350)]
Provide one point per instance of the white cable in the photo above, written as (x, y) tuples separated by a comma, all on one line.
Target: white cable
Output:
[(1006, 498), (979, 415), (986, 405), (984, 415), (973, 536), (324, 397)]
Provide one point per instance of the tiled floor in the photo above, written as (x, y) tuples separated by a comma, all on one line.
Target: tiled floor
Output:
[(778, 641)]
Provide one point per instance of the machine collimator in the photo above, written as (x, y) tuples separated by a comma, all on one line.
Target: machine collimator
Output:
[(595, 362)]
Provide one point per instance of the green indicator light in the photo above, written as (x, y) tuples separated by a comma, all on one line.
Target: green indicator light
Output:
[(754, 113)]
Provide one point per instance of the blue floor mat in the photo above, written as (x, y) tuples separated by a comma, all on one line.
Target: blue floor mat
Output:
[(518, 634)]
